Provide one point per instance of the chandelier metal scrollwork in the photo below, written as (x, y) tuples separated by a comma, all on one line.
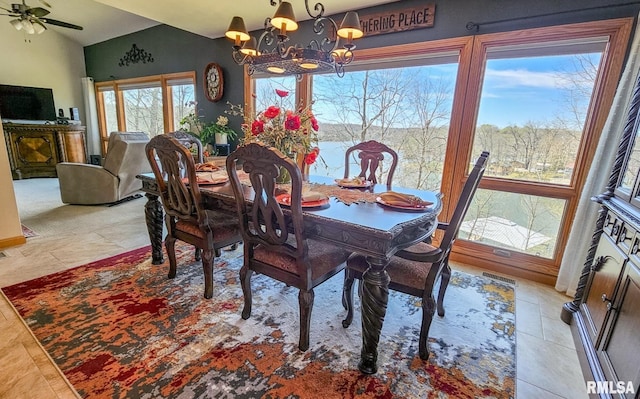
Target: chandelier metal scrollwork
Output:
[(272, 54), (134, 56)]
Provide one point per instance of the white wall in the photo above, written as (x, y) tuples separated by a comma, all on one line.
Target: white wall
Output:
[(47, 60), (10, 227)]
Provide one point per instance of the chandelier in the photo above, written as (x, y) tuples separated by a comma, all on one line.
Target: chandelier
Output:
[(272, 54)]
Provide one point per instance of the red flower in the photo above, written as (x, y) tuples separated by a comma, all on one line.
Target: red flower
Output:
[(271, 112), (282, 93), (257, 127), (314, 123), (311, 157), (292, 122), (315, 150)]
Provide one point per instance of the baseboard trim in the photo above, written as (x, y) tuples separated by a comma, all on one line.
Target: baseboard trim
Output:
[(12, 241)]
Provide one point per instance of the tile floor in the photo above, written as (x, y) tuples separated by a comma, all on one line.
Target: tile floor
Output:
[(547, 363)]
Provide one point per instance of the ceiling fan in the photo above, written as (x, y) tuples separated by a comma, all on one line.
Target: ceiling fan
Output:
[(33, 19)]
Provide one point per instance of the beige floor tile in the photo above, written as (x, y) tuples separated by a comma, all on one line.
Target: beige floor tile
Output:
[(557, 331), (21, 377), (528, 318), (550, 366), (524, 390), (527, 291), (20, 268)]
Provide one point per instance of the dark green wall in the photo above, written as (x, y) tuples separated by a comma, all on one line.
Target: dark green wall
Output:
[(175, 50)]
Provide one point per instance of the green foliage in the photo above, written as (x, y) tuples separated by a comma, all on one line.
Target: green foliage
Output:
[(219, 127)]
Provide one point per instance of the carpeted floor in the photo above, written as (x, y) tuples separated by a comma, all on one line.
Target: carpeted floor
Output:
[(119, 328)]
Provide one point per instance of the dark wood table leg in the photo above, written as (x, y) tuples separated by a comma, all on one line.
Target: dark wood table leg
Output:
[(153, 215), (374, 295)]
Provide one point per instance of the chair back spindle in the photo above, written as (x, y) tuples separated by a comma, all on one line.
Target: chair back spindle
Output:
[(371, 154)]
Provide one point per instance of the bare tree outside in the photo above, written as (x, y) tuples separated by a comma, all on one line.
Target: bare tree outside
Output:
[(143, 110), (183, 99), (424, 144)]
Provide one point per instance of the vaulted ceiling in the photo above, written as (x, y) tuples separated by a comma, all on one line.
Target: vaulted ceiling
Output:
[(105, 19)]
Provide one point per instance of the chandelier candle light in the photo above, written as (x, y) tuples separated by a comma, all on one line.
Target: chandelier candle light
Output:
[(271, 54)]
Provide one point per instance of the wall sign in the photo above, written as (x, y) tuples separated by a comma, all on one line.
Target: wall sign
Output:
[(398, 20)]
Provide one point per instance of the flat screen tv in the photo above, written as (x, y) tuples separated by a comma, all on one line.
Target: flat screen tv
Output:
[(26, 103)]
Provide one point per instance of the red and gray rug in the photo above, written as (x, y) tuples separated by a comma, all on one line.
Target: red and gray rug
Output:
[(118, 328)]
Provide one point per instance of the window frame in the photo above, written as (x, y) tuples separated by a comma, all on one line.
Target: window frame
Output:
[(164, 81), (472, 56)]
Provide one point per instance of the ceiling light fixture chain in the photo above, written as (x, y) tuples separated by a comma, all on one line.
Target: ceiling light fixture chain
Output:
[(271, 54)]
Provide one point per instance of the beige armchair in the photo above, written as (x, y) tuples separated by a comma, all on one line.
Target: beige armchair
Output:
[(85, 184)]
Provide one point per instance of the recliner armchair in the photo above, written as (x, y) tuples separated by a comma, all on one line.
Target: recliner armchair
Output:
[(85, 184)]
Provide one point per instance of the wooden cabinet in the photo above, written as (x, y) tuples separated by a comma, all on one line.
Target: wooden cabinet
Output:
[(34, 150), (618, 352), (605, 313)]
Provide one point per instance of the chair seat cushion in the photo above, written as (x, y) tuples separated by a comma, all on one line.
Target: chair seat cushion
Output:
[(401, 271), (224, 226), (323, 258)]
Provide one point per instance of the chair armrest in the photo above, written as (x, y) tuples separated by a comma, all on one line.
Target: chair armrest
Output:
[(427, 257), (86, 184)]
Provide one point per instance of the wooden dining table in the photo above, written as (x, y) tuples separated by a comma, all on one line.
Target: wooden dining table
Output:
[(368, 228)]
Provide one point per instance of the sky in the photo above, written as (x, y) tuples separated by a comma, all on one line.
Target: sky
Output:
[(515, 90)]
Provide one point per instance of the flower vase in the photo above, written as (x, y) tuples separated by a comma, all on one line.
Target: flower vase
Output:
[(284, 177), (303, 166), (221, 138)]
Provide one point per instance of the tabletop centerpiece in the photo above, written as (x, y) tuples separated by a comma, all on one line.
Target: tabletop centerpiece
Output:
[(294, 133)]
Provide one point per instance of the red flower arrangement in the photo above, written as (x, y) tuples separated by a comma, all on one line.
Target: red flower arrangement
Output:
[(294, 133)]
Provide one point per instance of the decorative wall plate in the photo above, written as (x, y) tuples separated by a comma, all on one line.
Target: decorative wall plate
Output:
[(213, 82)]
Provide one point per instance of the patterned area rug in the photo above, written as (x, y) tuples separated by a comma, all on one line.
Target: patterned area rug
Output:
[(27, 232), (119, 328)]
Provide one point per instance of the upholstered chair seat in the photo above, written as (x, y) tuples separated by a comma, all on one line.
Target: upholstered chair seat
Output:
[(415, 270), (322, 256)]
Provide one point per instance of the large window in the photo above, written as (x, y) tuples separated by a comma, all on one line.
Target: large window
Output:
[(536, 100), (153, 104)]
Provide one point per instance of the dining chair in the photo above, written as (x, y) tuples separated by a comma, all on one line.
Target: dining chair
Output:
[(186, 218), (414, 271), (275, 240), (190, 142), (371, 153)]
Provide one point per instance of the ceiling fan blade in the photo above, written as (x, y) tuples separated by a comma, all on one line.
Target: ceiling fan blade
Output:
[(38, 11), (44, 3), (60, 23)]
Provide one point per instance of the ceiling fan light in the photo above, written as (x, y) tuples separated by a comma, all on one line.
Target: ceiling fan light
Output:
[(16, 24), (28, 26), (350, 27), (284, 18), (38, 27)]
